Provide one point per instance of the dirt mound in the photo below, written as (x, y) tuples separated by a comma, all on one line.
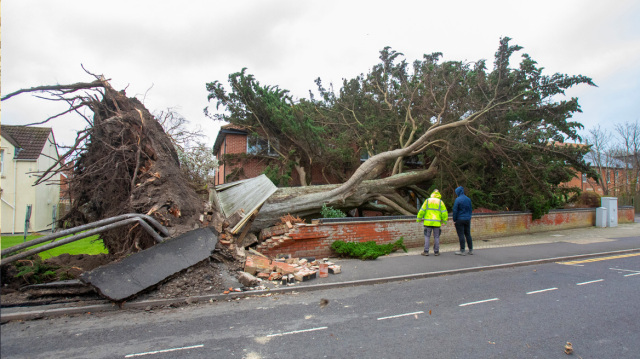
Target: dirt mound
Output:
[(82, 261), (211, 276)]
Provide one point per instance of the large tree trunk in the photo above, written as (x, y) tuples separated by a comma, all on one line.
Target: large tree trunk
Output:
[(303, 201)]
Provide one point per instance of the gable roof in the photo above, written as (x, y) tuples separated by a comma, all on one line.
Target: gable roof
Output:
[(29, 140)]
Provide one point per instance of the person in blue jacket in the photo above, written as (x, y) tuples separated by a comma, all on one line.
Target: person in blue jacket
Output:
[(462, 209)]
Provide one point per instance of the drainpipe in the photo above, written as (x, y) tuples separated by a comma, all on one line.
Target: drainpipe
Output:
[(15, 194), (224, 172)]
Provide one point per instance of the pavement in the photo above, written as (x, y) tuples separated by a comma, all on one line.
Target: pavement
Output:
[(489, 254)]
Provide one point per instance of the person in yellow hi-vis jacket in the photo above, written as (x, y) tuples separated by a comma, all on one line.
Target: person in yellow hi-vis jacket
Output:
[(434, 215)]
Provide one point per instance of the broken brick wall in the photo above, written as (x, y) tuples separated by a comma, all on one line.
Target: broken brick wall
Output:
[(314, 240)]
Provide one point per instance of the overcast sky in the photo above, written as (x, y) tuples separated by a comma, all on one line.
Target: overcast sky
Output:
[(165, 53)]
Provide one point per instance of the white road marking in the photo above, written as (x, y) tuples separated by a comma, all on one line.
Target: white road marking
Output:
[(542, 290), (478, 302), (625, 270), (629, 275), (591, 281), (635, 272), (400, 315), (296, 332), (164, 351)]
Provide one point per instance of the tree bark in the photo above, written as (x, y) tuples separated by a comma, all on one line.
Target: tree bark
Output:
[(303, 201)]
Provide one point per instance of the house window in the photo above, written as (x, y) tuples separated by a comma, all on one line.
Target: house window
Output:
[(584, 178), (257, 145), (2, 160)]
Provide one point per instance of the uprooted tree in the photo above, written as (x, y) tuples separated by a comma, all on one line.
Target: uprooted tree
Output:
[(458, 123), (122, 162), (499, 133)]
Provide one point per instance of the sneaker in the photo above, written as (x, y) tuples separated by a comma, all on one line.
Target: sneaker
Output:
[(460, 253), (425, 254), (470, 253), (436, 254)]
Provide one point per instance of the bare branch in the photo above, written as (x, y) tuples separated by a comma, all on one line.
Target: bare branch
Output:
[(65, 89)]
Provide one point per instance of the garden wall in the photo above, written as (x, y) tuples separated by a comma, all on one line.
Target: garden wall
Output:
[(314, 240)]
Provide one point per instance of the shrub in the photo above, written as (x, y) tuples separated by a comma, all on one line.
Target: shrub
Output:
[(589, 199), (366, 250), (35, 271), (330, 212)]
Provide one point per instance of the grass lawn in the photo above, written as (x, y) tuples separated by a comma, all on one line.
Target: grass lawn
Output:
[(88, 245)]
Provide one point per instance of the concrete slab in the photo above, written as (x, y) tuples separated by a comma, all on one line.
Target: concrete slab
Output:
[(121, 280)]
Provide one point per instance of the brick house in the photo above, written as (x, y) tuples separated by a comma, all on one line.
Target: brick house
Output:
[(614, 179), (233, 141), (244, 155)]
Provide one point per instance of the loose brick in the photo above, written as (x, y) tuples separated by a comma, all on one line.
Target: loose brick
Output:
[(284, 268)]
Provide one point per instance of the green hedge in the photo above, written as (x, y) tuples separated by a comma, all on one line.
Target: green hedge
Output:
[(366, 250)]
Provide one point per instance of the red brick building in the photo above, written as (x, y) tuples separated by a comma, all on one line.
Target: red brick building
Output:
[(614, 182), (244, 155)]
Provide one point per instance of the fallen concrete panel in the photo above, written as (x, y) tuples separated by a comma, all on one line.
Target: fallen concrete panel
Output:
[(121, 280)]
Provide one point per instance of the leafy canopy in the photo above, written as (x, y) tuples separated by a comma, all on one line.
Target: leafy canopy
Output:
[(500, 132)]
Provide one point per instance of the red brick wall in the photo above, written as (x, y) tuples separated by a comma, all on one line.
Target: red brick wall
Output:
[(314, 240), (237, 144)]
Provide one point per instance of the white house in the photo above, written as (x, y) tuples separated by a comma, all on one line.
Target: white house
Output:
[(25, 152)]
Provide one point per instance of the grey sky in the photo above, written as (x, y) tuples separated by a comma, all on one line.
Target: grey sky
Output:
[(165, 52)]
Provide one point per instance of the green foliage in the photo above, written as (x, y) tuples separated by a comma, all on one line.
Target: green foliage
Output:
[(330, 212), (279, 177), (35, 271), (510, 152), (366, 250)]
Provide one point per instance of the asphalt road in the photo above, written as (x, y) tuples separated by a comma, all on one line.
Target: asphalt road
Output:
[(523, 312)]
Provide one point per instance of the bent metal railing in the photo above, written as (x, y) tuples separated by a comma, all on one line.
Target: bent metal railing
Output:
[(98, 227)]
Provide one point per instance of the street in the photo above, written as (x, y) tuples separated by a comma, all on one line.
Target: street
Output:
[(523, 312)]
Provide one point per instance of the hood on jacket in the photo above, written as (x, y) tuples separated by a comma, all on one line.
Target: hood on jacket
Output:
[(436, 194), (459, 191)]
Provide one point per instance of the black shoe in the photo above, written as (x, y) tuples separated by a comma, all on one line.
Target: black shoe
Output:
[(425, 254)]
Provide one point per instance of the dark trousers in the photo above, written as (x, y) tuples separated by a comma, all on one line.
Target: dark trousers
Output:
[(463, 228)]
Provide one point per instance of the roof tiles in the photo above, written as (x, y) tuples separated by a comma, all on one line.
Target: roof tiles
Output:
[(30, 140)]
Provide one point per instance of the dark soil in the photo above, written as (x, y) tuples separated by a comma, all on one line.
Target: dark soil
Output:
[(211, 276)]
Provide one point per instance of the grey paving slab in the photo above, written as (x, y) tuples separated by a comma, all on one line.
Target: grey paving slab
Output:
[(121, 280)]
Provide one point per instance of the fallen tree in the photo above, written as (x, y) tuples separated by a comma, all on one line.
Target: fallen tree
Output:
[(122, 162), (497, 132)]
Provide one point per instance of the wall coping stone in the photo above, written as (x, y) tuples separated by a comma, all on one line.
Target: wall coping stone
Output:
[(404, 218)]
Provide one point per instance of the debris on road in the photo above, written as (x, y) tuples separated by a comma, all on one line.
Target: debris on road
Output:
[(568, 348), (283, 270)]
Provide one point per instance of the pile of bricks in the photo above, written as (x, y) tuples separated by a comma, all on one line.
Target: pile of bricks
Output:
[(287, 270)]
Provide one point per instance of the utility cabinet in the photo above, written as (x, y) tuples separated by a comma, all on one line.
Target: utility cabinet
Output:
[(601, 217), (611, 204)]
